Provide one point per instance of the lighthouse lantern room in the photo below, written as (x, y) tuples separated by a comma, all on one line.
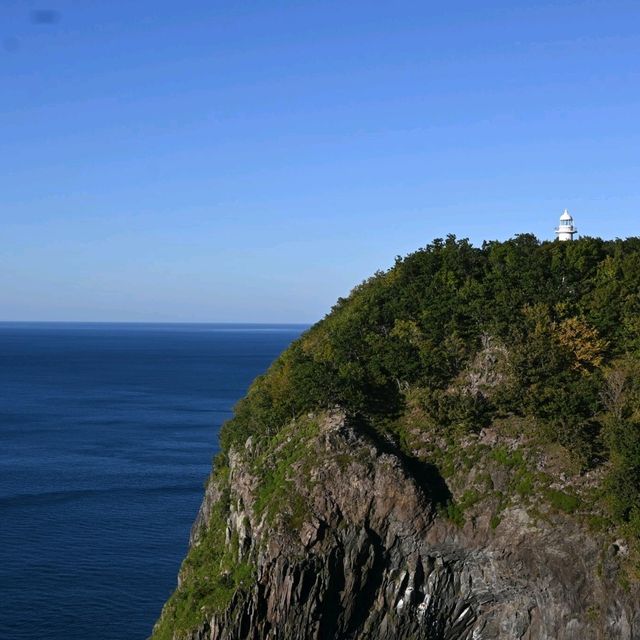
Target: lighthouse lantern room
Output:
[(566, 229)]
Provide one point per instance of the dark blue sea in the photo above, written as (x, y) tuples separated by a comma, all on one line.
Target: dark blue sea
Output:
[(106, 437)]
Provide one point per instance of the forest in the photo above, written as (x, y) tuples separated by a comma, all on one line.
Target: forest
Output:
[(547, 333)]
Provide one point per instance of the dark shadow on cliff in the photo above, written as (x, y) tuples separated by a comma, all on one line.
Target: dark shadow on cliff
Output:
[(371, 561), (426, 475), (331, 605)]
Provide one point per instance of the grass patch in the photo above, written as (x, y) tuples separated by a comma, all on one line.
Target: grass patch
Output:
[(453, 512), (562, 501), (511, 459), (276, 494)]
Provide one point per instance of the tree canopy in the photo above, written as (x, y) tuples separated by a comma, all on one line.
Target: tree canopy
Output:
[(549, 331)]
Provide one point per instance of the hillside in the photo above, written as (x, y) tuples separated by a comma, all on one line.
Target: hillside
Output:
[(452, 453)]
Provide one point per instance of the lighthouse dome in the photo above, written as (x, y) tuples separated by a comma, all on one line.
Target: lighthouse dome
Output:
[(566, 230)]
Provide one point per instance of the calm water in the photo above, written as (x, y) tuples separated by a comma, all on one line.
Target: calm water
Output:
[(106, 437)]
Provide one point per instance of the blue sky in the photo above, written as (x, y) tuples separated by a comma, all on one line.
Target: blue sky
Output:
[(253, 161)]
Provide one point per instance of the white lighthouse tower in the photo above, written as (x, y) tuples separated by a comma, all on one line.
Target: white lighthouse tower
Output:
[(566, 229)]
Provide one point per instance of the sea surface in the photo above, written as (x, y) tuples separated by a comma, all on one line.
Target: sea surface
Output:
[(106, 437)]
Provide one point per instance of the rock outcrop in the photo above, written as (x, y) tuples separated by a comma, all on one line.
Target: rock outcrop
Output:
[(359, 546)]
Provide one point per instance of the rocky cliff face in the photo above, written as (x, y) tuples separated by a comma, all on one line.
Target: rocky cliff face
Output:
[(346, 537)]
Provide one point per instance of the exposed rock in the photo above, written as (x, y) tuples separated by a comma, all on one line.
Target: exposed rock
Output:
[(371, 558)]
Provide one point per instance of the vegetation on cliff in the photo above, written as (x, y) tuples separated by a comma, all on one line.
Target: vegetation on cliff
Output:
[(535, 341), (558, 328)]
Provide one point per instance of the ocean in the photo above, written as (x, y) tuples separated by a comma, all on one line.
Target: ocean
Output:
[(106, 437)]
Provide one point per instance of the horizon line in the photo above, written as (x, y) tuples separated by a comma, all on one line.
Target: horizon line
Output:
[(160, 322)]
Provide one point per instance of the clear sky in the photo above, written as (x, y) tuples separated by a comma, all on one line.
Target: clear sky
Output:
[(254, 160)]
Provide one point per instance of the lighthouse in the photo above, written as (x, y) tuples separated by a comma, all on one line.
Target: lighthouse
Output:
[(566, 229)]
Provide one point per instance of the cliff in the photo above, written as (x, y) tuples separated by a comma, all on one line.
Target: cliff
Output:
[(379, 482), (362, 550)]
